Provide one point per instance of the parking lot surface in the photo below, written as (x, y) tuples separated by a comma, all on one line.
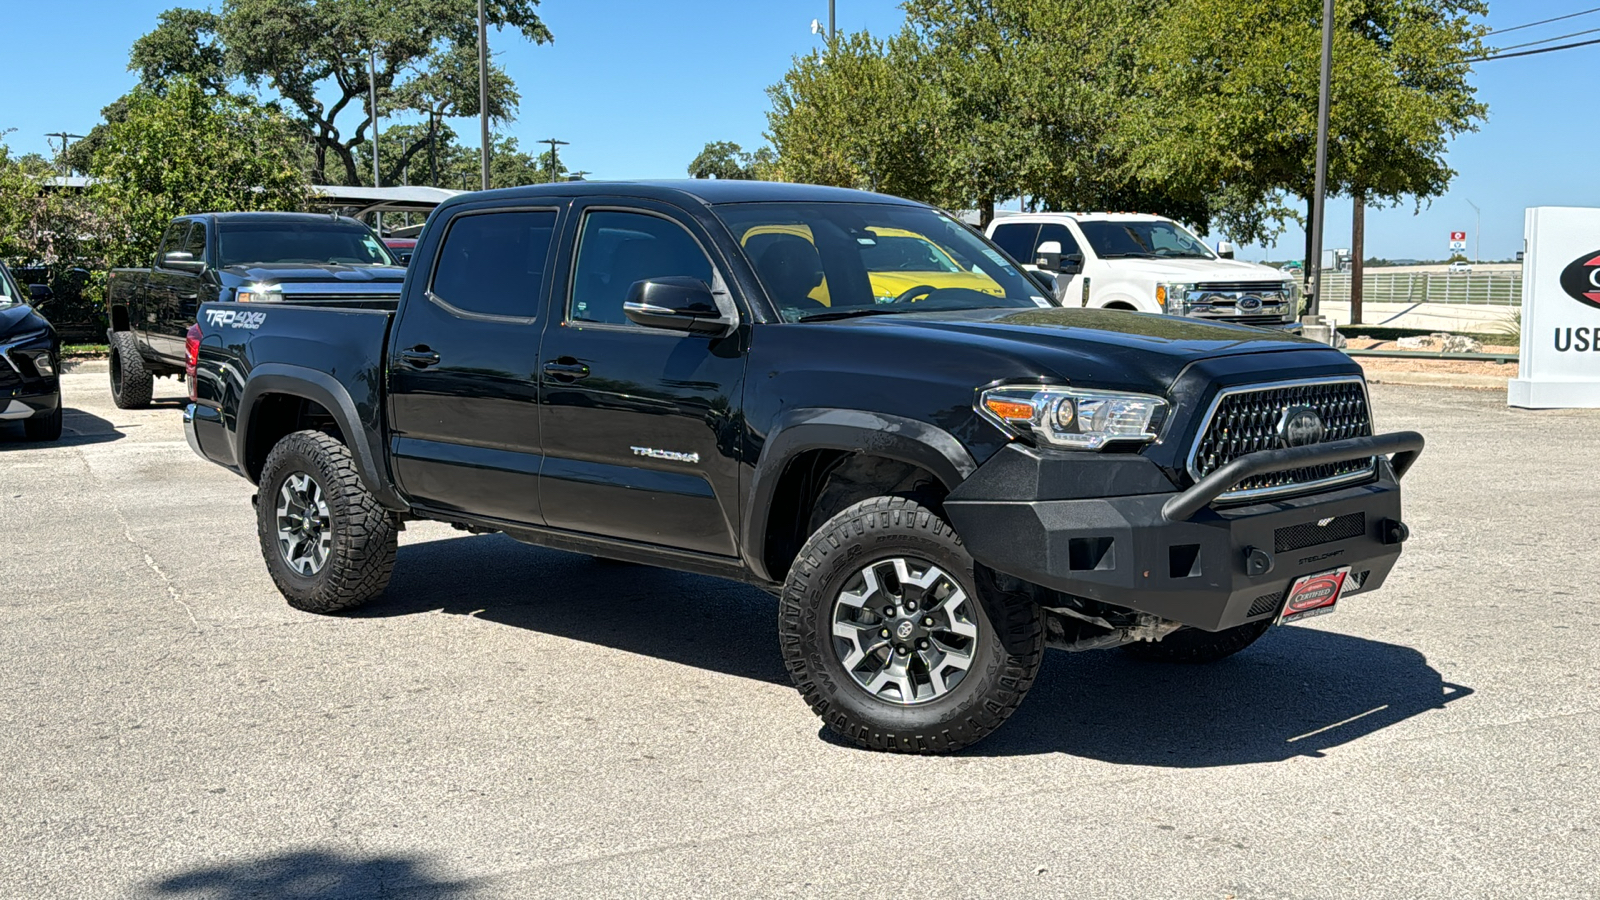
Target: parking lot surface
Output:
[(516, 722)]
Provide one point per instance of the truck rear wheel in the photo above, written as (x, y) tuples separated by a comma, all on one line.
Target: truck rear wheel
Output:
[(131, 382), (327, 542), (1191, 645), (888, 638)]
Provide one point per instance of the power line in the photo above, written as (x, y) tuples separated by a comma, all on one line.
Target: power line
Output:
[(1531, 52), (1559, 37), (1545, 21)]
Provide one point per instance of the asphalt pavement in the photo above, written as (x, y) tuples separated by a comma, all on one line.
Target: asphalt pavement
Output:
[(511, 722)]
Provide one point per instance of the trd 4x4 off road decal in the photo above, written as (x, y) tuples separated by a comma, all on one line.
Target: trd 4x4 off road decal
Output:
[(1581, 279), (236, 318)]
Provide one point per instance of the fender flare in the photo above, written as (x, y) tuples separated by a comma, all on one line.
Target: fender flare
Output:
[(820, 428), (326, 391)]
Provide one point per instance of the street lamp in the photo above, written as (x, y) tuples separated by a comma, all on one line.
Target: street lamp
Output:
[(555, 162)]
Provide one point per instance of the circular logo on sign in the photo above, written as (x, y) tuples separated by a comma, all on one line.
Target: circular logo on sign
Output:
[(1581, 279), (1300, 426)]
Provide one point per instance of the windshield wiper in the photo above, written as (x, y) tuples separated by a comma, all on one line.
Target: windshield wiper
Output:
[(851, 312), (1128, 256)]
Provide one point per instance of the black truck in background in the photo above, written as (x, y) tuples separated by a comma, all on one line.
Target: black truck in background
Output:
[(850, 400), (238, 257)]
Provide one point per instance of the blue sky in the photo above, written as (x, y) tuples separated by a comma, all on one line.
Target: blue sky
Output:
[(639, 86)]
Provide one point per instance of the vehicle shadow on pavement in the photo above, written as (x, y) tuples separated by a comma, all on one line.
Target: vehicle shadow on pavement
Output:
[(1296, 692), (695, 620), (77, 428), (310, 875)]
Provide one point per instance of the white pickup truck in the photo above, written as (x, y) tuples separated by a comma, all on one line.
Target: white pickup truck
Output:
[(1148, 264)]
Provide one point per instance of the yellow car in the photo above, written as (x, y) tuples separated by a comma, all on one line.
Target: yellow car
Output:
[(897, 261)]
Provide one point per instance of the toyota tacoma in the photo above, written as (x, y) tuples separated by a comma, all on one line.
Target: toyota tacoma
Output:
[(937, 484)]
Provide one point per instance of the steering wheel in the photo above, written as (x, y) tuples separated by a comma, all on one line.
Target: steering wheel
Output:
[(912, 295)]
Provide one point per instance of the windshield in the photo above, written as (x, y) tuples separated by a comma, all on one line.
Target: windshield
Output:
[(826, 260), (313, 243), (1143, 240)]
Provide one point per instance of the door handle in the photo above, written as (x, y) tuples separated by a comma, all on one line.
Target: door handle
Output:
[(420, 357), (566, 370)]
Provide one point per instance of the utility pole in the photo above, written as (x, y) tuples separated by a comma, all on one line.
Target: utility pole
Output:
[(66, 141), (1477, 231), (1358, 253), (833, 31), (1312, 323), (483, 90), (555, 163)]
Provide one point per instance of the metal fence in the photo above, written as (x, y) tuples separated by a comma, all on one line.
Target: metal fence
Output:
[(1484, 288)]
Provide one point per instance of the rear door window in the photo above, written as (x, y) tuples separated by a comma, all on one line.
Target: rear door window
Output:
[(493, 264), (1018, 240)]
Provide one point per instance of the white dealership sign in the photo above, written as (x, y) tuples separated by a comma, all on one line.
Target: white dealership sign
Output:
[(1560, 358)]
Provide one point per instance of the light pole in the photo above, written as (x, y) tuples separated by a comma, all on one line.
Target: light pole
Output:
[(833, 30), (66, 141), (555, 163), (1312, 323), (372, 101), (1477, 231), (483, 90)]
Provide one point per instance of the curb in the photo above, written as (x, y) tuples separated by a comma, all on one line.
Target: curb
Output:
[(1440, 379), (85, 366)]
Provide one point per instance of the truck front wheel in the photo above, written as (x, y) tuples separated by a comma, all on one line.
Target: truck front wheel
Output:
[(1191, 645), (327, 542), (889, 639), (131, 382)]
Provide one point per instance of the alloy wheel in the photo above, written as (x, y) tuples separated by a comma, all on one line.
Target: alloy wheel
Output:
[(305, 527), (905, 630)]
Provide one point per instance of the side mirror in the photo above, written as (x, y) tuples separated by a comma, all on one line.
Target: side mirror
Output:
[(1225, 250), (1072, 264), (678, 303), (39, 293), (1048, 256), (182, 260)]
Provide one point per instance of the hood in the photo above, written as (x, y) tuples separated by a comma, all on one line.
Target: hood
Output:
[(1200, 270), (1103, 347), (20, 320), (304, 273)]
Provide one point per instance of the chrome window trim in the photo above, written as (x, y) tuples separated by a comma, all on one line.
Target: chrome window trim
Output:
[(1303, 487)]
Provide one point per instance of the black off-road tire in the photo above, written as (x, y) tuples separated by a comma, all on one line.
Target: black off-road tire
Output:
[(131, 381), (44, 428), (1191, 645), (1009, 645), (361, 557)]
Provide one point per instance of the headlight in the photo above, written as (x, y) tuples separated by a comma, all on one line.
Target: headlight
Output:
[(1073, 418), (1173, 298), (259, 293)]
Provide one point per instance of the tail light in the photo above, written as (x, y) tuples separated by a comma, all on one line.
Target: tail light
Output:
[(191, 360)]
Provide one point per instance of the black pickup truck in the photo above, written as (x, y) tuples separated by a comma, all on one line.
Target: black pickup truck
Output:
[(242, 257), (852, 401)]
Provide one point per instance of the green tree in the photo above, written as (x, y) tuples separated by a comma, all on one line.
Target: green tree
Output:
[(62, 231), (314, 55), (1231, 105), (727, 160), (185, 151)]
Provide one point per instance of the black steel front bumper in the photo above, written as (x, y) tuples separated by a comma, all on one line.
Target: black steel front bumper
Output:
[(1172, 555)]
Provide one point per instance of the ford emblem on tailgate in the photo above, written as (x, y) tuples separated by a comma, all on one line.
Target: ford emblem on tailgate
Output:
[(1300, 426)]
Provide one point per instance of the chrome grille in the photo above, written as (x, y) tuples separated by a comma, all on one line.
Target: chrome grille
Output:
[(1244, 420), (1245, 287)]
